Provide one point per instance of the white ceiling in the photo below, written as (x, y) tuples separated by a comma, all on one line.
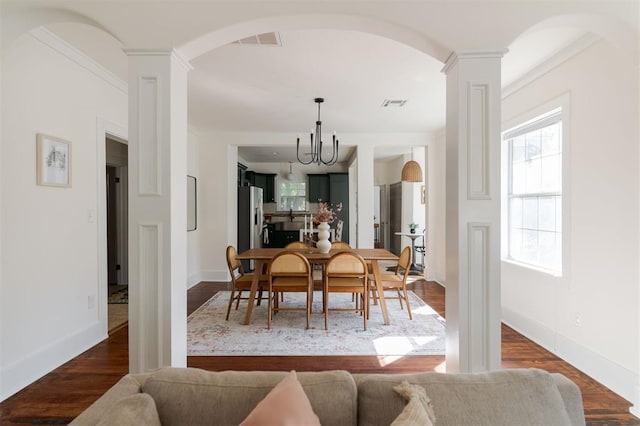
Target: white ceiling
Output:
[(264, 88)]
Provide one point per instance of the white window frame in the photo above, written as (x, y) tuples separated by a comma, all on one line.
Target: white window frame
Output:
[(524, 120), (306, 201)]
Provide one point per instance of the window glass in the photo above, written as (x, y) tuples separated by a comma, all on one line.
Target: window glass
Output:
[(292, 196), (535, 192)]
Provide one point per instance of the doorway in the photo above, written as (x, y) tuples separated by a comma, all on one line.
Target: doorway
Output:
[(395, 217), (117, 240)]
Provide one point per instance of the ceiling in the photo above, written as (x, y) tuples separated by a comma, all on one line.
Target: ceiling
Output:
[(265, 88)]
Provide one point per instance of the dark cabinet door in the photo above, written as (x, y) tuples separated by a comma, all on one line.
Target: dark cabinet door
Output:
[(318, 187), (270, 188)]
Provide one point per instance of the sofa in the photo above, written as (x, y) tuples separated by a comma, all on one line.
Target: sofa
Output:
[(190, 396)]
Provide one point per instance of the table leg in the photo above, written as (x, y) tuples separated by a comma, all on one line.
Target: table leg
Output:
[(383, 303), (254, 288)]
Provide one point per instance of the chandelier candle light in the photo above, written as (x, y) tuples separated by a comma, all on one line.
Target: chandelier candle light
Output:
[(316, 145)]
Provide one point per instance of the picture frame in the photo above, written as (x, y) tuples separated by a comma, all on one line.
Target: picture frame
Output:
[(422, 194), (53, 161)]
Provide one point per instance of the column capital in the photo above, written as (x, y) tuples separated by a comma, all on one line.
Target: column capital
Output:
[(173, 53), (454, 57)]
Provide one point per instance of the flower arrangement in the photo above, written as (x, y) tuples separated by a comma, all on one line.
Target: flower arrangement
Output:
[(412, 227), (326, 212)]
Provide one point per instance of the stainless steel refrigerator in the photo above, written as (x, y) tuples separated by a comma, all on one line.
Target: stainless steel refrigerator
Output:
[(250, 221)]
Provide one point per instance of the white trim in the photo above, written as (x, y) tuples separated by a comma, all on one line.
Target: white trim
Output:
[(617, 378), (33, 366), (554, 61), (214, 275), (194, 279), (61, 46)]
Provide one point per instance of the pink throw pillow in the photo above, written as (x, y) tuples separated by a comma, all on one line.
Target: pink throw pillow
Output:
[(286, 404)]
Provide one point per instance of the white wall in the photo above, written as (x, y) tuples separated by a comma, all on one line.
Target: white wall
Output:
[(49, 310), (601, 288)]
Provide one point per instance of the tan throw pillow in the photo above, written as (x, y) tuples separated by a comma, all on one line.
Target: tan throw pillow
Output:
[(286, 404), (138, 409), (418, 410)]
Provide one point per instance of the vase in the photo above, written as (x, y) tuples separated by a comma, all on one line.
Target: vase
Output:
[(323, 238), (412, 230)]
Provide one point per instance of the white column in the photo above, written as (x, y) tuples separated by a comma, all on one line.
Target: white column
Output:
[(157, 209), (364, 196), (473, 211)]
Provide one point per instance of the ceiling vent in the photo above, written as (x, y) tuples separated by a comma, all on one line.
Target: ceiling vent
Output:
[(394, 103), (266, 39)]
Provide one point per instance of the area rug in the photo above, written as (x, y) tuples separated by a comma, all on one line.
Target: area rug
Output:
[(209, 334), (118, 294)]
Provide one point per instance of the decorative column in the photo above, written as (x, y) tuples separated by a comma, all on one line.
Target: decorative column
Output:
[(157, 209), (473, 306)]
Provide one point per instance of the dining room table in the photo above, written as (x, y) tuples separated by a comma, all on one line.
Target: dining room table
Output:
[(263, 256)]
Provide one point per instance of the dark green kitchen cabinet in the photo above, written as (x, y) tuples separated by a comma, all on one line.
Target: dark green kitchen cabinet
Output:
[(266, 181), (318, 187)]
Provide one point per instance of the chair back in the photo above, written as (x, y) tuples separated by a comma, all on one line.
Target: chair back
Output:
[(339, 227), (296, 245), (340, 245), (404, 261), (233, 263), (289, 264), (346, 264)]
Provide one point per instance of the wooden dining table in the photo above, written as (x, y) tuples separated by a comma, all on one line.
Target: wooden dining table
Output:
[(263, 256)]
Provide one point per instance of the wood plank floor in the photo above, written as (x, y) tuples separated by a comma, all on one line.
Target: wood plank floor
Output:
[(61, 395)]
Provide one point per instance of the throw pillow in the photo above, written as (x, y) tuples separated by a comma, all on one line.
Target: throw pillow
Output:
[(286, 404), (138, 409), (418, 410)]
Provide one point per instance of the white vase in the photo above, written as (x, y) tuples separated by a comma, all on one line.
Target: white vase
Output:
[(323, 238)]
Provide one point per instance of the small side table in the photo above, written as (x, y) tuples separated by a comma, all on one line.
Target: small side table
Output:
[(413, 237)]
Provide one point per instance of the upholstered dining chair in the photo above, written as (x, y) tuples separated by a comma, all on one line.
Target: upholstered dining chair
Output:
[(289, 272), (396, 281), (346, 272), (241, 281), (340, 245), (296, 245)]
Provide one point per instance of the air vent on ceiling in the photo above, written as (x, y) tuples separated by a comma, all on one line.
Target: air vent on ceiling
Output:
[(394, 103), (266, 39)]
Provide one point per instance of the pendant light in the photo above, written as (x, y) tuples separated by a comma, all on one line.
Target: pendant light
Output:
[(411, 172), (291, 175)]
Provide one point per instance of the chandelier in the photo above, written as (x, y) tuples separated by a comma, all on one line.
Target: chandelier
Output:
[(316, 145)]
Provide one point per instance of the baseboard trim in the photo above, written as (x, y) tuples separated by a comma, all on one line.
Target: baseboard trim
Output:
[(194, 279), (617, 378), (30, 368), (214, 275)]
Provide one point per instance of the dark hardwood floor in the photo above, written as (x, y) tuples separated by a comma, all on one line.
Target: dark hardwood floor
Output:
[(61, 395)]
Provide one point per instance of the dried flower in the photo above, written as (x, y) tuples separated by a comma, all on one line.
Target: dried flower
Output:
[(326, 212)]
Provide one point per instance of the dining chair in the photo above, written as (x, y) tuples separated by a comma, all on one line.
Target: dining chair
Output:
[(340, 245), (296, 245), (289, 272), (346, 272), (241, 281), (396, 281)]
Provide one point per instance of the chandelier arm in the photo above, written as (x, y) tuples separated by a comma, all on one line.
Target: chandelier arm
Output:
[(298, 154)]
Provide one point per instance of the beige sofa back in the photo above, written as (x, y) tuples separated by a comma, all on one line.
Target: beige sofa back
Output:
[(189, 396), (523, 397)]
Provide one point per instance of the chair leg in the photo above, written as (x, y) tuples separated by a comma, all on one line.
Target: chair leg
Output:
[(406, 299), (229, 305), (364, 307), (269, 311), (326, 309), (400, 296), (259, 296), (309, 301), (238, 299)]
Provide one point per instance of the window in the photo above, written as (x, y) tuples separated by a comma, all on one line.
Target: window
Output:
[(292, 196), (534, 200)]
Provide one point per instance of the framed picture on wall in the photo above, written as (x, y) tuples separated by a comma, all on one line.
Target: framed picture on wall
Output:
[(53, 165), (422, 194)]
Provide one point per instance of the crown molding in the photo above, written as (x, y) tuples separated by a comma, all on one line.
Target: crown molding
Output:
[(175, 54), (64, 48), (553, 62), (454, 57)]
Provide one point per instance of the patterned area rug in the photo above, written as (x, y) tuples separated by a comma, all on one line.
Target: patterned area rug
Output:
[(118, 294), (209, 334)]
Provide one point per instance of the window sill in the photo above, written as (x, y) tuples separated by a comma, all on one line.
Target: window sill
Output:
[(554, 273)]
